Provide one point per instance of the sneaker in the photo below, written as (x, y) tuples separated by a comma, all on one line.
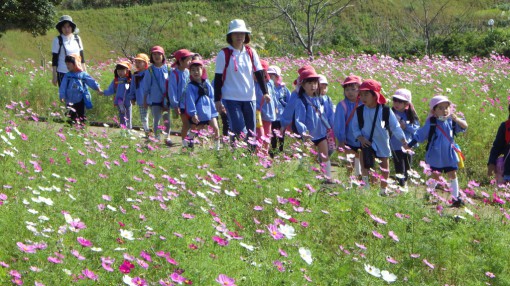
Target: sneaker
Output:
[(169, 143), (456, 203), (185, 143), (383, 192)]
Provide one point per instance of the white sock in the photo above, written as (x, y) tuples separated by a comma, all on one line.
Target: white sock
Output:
[(366, 181), (357, 167), (328, 169), (455, 188)]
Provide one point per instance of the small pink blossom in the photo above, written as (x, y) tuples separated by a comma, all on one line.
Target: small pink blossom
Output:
[(84, 242), (225, 280)]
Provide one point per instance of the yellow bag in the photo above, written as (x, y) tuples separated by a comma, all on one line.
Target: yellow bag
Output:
[(460, 156), (258, 117)]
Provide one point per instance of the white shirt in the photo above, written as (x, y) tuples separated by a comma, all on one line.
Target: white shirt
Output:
[(238, 85), (71, 47)]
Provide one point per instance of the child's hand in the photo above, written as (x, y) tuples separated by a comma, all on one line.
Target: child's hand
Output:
[(195, 119), (267, 98), (491, 170), (178, 110), (364, 142), (220, 107)]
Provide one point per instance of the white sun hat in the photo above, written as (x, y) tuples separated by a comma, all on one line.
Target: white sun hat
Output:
[(237, 25)]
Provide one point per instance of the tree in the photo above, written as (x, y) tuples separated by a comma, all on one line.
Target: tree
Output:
[(309, 20), (34, 16)]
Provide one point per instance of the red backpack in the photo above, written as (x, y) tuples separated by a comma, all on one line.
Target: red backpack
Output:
[(228, 55)]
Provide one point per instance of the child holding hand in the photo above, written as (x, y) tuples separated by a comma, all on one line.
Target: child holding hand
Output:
[(120, 87), (73, 89), (439, 131)]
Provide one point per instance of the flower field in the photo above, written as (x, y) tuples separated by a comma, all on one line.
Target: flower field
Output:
[(88, 206)]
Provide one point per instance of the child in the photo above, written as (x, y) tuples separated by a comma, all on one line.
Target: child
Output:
[(267, 109), (177, 83), (73, 90), (120, 87), (200, 102), (370, 127), (281, 96), (409, 122), (313, 116), (155, 86), (441, 154), (323, 91), (500, 146), (345, 112), (136, 89)]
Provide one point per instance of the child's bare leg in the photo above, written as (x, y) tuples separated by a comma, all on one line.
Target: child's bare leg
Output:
[(185, 126), (385, 171)]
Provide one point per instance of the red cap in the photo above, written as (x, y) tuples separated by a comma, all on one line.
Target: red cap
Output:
[(182, 53), (352, 79), (374, 86), (196, 62), (308, 73), (157, 49)]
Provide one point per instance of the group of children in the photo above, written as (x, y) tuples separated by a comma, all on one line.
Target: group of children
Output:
[(361, 125)]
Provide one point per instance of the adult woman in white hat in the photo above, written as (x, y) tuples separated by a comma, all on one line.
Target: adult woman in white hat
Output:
[(66, 43), (234, 85)]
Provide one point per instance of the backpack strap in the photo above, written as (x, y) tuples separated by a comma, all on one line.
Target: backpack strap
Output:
[(348, 120), (228, 53), (432, 131), (507, 131), (359, 113)]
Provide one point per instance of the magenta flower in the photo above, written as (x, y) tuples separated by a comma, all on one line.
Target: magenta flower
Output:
[(225, 280), (106, 263), (146, 256), (26, 248), (220, 241), (393, 236), (142, 263), (279, 265), (376, 234), (139, 281), (84, 242), (54, 260), (77, 254), (177, 278), (126, 267)]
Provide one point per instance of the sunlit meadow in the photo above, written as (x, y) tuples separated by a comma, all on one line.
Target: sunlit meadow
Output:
[(88, 206)]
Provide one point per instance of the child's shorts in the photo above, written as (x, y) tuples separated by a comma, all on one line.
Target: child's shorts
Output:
[(444, 169), (318, 141), (199, 123)]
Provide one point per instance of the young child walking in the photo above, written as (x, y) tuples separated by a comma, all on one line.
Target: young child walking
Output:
[(136, 89), (73, 90), (313, 116), (178, 81), (266, 110), (344, 113), (120, 86), (155, 86), (408, 119), (498, 157), (439, 131), (371, 127), (323, 91), (199, 103), (281, 97)]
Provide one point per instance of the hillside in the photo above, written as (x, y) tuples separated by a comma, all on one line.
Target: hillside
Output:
[(393, 28)]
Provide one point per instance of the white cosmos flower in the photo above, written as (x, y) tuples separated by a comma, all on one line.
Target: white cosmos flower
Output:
[(32, 211), (128, 280), (96, 249), (282, 214), (43, 218), (468, 211), (287, 230), (268, 201), (26, 202), (230, 193), (67, 271), (72, 198), (372, 270), (55, 175), (388, 277), (127, 234), (306, 255), (247, 246), (113, 209)]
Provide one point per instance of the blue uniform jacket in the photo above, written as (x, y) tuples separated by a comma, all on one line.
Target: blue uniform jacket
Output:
[(202, 106), (409, 130), (342, 132), (268, 109), (154, 85), (176, 85), (136, 89), (307, 119), (72, 92), (122, 94), (381, 138)]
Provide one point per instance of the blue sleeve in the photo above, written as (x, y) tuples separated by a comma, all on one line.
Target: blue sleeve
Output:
[(458, 129), (339, 123), (191, 109), (421, 134), (63, 86), (146, 82), (89, 81), (413, 127), (172, 88), (330, 114), (356, 131), (300, 117), (395, 128), (111, 89)]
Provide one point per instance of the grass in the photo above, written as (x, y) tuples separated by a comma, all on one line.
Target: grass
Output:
[(176, 202)]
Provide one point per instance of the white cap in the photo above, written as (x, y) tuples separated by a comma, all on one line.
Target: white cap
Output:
[(237, 25), (274, 70), (403, 94), (323, 79)]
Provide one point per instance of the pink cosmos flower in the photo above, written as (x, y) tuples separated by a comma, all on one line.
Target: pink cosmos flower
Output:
[(106, 263), (428, 264), (54, 260), (77, 254), (361, 246), (188, 216), (282, 252), (26, 248), (142, 263), (279, 265), (146, 256), (376, 234), (139, 281), (177, 278), (391, 260), (393, 236), (274, 232), (89, 274), (84, 242), (225, 280), (490, 274), (220, 241)]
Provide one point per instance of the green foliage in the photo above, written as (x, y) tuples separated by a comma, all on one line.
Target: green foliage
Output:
[(32, 16)]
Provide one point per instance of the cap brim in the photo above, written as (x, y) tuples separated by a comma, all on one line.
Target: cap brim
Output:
[(399, 97), (238, 31), (59, 24)]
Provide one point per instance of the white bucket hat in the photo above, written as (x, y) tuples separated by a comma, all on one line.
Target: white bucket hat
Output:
[(274, 70), (403, 94), (237, 25)]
